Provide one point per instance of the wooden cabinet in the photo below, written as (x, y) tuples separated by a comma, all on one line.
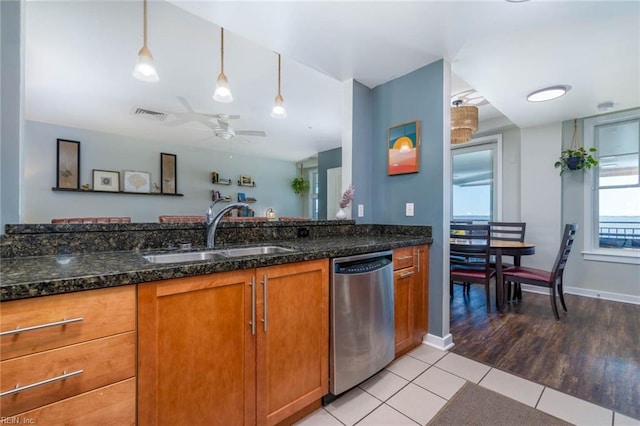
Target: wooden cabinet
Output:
[(410, 279), (66, 352), (243, 347)]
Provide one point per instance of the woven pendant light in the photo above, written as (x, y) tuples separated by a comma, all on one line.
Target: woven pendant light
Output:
[(464, 122)]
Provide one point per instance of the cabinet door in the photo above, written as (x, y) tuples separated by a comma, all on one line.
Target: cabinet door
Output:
[(421, 293), (404, 282), (292, 338), (196, 351)]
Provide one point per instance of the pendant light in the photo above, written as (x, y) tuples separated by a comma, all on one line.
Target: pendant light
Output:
[(144, 69), (222, 92), (278, 110), (464, 122)]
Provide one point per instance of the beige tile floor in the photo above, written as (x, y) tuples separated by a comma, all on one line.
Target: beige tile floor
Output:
[(414, 388)]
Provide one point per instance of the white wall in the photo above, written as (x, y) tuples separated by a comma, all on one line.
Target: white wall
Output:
[(540, 192), (114, 152), (511, 175)]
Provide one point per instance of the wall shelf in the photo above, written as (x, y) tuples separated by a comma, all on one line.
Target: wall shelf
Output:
[(91, 191)]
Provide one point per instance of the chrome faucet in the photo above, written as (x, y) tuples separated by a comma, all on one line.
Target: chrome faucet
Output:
[(213, 220)]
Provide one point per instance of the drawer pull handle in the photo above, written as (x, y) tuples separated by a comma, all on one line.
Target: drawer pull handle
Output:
[(406, 274), (253, 305), (264, 297), (19, 330), (19, 389), (404, 257)]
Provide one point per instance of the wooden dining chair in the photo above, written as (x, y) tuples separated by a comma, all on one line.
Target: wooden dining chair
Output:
[(550, 279), (473, 242), (509, 231)]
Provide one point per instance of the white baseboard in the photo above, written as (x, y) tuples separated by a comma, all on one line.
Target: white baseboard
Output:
[(443, 343), (595, 294)]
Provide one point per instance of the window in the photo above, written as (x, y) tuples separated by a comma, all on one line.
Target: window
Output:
[(474, 176), (612, 196)]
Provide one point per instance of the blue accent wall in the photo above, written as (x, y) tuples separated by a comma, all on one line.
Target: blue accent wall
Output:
[(414, 96), (326, 160)]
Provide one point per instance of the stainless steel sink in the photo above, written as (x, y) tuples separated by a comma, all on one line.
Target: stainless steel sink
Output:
[(183, 257), (219, 254), (253, 251)]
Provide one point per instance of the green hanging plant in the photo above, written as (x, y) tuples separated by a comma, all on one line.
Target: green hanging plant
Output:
[(576, 157), (300, 185)]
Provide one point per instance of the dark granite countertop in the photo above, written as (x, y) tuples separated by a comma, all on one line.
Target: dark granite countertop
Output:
[(25, 277)]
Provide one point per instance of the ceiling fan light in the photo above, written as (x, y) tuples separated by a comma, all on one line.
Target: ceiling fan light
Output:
[(278, 110), (548, 93), (144, 69), (222, 92)]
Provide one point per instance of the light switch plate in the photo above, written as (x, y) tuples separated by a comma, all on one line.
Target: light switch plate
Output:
[(409, 209), (360, 210)]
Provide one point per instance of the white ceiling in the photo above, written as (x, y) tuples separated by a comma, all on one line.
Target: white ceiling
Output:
[(80, 54)]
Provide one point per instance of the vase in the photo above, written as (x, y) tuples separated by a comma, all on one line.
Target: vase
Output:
[(340, 215)]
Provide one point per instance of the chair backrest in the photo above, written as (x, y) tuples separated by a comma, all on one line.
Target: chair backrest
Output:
[(565, 248), (179, 219), (92, 220), (470, 241), (508, 231)]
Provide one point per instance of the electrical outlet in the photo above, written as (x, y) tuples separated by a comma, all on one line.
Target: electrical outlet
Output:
[(360, 210), (409, 209)]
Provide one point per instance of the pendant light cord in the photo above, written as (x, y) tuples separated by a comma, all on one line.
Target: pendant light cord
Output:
[(221, 50), (144, 26), (575, 144), (278, 73)]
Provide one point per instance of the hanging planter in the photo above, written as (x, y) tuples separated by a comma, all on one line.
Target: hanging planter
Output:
[(300, 185), (576, 157)]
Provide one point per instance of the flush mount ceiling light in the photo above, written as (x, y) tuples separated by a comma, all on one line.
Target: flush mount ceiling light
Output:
[(144, 69), (222, 92), (278, 110), (464, 122), (548, 93), (605, 106)]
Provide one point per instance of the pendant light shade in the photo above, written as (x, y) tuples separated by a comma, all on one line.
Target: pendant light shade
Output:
[(145, 70), (222, 92), (464, 122), (278, 110)]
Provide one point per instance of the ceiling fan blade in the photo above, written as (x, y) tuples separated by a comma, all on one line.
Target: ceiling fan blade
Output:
[(185, 103), (251, 132), (223, 124), (222, 116)]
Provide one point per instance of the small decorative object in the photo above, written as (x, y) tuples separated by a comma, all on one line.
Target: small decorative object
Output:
[(106, 180), (85, 187), (246, 181), (403, 148), (137, 182), (242, 197), (68, 164), (346, 199), (576, 157), (214, 177), (271, 214), (168, 173)]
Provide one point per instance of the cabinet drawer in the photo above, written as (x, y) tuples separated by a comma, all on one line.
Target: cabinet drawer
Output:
[(111, 405), (402, 258), (65, 319), (97, 363)]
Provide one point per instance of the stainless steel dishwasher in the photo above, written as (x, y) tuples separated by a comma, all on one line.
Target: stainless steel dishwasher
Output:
[(362, 336)]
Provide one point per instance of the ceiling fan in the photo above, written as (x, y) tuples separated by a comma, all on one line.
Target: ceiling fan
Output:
[(221, 127)]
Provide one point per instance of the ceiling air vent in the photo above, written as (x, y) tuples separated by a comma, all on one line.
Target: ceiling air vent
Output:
[(147, 113)]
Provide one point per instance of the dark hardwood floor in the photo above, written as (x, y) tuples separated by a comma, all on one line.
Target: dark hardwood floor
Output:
[(592, 353)]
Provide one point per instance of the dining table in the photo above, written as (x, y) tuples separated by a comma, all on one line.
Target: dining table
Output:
[(500, 248)]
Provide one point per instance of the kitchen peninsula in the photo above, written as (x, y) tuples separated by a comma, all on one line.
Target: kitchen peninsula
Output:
[(199, 330)]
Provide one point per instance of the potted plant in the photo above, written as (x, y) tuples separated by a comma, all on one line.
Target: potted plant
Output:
[(576, 157), (300, 185)]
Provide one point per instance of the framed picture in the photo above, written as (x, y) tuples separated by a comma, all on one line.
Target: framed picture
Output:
[(137, 182), (168, 173), (68, 164), (246, 180), (403, 148), (106, 180)]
